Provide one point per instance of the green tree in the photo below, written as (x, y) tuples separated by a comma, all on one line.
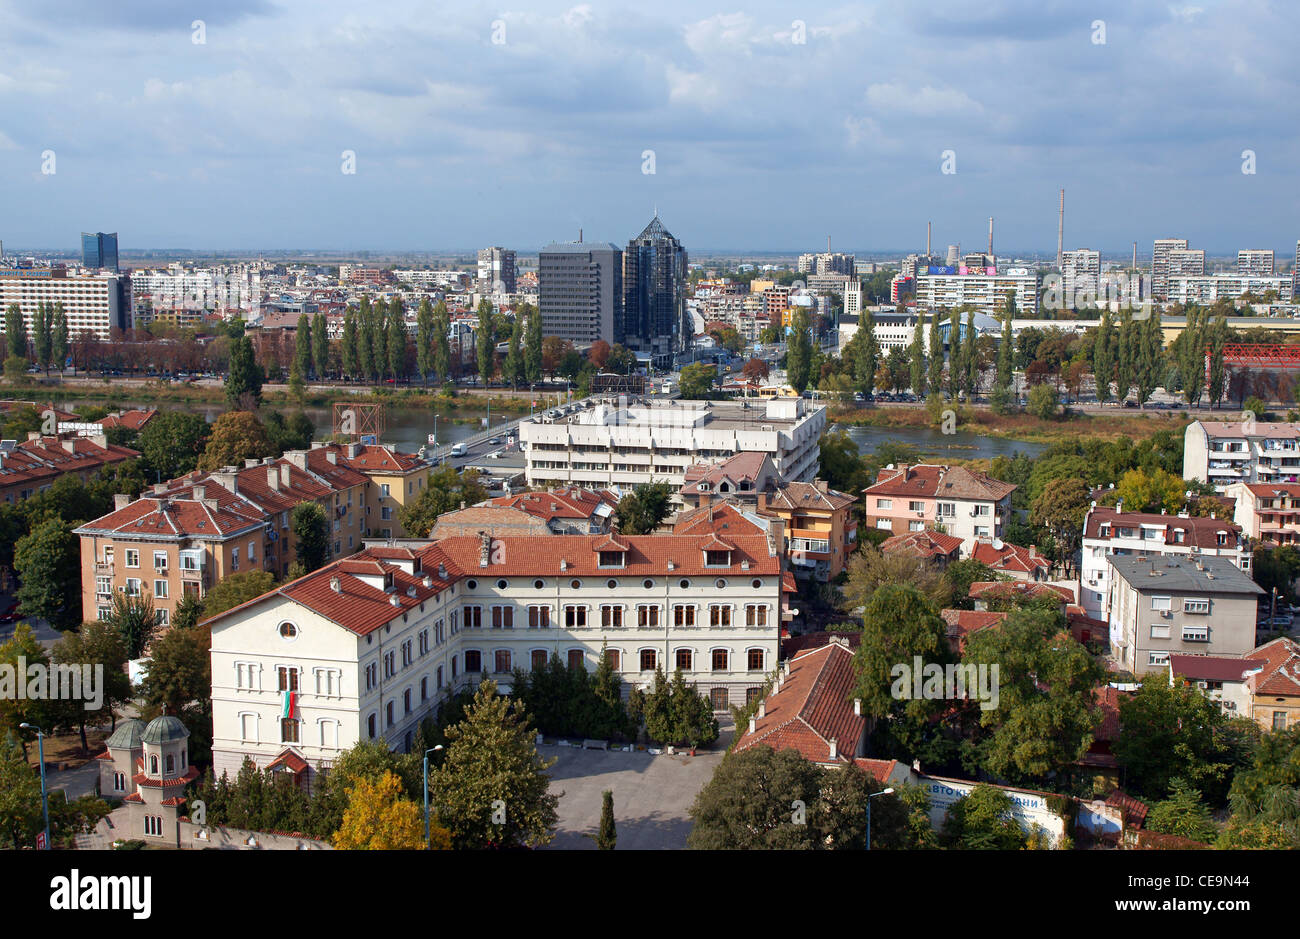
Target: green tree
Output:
[(1150, 357), (60, 337), (445, 490), (1006, 347), (1170, 733), (42, 334), (1043, 402), (1061, 509), (48, 563), (236, 436), (982, 821), (492, 760), (1127, 349), (231, 591), (513, 367), (869, 570), (396, 339), (935, 356), (485, 338), (1182, 814), (320, 346), (424, 326), (350, 345), (1218, 338), (311, 535), (442, 342), (365, 354), (172, 442), (956, 351), (16, 332), (1103, 355), (95, 644), (916, 358), (643, 509), (134, 619), (606, 835), (243, 377), (180, 679), (532, 342), (22, 647), (21, 816), (696, 381), (302, 345), (799, 353)]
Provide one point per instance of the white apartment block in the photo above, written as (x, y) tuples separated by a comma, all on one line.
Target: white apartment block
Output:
[(1209, 288), (367, 647), (618, 445), (1160, 263), (986, 292), (1112, 532), (1161, 606), (1255, 262), (1225, 452), (434, 280), (93, 301), (221, 289), (1081, 273)]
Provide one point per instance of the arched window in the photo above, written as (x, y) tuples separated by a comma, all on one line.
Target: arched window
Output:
[(153, 766), (171, 764)]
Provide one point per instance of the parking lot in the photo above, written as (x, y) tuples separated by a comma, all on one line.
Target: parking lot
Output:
[(652, 795)]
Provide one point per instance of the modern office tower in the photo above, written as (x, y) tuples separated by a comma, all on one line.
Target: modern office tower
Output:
[(580, 291), (1160, 264), (99, 251), (1081, 274), (496, 266), (1255, 262), (654, 295)]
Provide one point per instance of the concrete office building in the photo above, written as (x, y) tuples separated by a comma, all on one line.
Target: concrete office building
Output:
[(580, 291), (940, 287), (1209, 288), (1225, 452), (1172, 256), (496, 271)]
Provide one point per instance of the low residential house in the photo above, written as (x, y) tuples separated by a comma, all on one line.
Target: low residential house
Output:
[(963, 623), (497, 521), (1001, 594), (33, 465), (133, 420), (1275, 688), (1099, 760), (1113, 532), (1268, 513), (820, 529), (1161, 606), (1224, 679), (927, 544), (568, 511), (738, 478), (1012, 560), (396, 480), (967, 504)]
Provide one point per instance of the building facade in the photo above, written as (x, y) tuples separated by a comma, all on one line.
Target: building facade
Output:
[(909, 498), (654, 295), (99, 251), (496, 271), (1225, 452), (580, 292), (99, 303)]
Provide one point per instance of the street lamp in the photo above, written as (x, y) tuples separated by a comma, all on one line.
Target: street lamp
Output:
[(45, 799), (426, 792), (870, 796)]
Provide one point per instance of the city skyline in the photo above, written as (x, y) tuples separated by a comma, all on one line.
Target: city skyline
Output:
[(761, 130)]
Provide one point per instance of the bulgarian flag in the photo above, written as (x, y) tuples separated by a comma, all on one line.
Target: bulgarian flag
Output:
[(290, 705)]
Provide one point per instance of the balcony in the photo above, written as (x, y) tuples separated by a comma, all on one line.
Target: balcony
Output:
[(103, 567)]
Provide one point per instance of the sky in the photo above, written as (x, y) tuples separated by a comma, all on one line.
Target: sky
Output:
[(758, 126)]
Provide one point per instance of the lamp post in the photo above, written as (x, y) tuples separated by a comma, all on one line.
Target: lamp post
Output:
[(870, 796), (426, 792), (45, 799)]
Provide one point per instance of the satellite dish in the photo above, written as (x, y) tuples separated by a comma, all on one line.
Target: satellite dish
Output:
[(997, 544)]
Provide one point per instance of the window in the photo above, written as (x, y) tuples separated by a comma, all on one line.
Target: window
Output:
[(289, 730), (502, 661), (683, 659), (372, 675), (1161, 603), (162, 617), (720, 660), (1157, 658), (648, 660), (884, 503), (1196, 634), (610, 559), (438, 678), (683, 615), (754, 660), (473, 617), (647, 617), (914, 506), (132, 557), (103, 586), (160, 560), (575, 617), (287, 676), (947, 510), (248, 727), (424, 642), (755, 614), (539, 617), (153, 825), (108, 554), (119, 782), (503, 617), (577, 658), (614, 658), (288, 631), (719, 698), (327, 681), (1279, 720), (406, 700), (384, 490), (153, 766), (388, 711), (611, 617), (538, 659), (390, 664), (1196, 606), (132, 587), (719, 615), (385, 513), (914, 526), (370, 724), (982, 511), (473, 661), (1160, 632), (717, 558), (752, 695)]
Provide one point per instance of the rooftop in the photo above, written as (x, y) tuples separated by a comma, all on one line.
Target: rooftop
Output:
[(1183, 574)]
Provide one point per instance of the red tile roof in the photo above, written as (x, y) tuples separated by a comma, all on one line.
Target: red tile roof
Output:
[(926, 544), (811, 708), (1280, 676), (220, 515), (1010, 558), (745, 466), (562, 503), (1198, 531), (1135, 810), (718, 517), (134, 419), (809, 496), (1008, 589), (882, 770), (907, 480), (1213, 667), (961, 623)]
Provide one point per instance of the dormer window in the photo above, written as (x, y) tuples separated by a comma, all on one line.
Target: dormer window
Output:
[(611, 559), (717, 558)]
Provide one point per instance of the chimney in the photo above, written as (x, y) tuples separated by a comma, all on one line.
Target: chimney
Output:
[(835, 749), (762, 501), (1033, 551), (484, 549), (1060, 235), (857, 707), (69, 445), (990, 237), (1119, 506), (353, 449), (820, 484), (762, 708), (273, 478), (250, 463), (120, 501), (927, 238), (752, 723), (284, 475), (332, 456), (159, 488), (336, 585), (199, 492)]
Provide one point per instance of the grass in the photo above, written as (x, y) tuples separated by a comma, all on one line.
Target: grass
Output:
[(66, 748)]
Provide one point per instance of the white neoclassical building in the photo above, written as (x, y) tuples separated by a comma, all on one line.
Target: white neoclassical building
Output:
[(367, 647)]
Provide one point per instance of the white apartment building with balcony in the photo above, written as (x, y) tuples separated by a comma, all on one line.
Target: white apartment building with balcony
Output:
[(625, 443), (1112, 532), (986, 292), (367, 647), (1255, 262), (1210, 288), (1225, 452)]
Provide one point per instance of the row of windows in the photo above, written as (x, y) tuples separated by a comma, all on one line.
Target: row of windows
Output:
[(612, 616), (615, 559)]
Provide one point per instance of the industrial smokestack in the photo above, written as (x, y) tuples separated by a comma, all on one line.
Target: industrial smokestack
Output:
[(990, 238), (828, 244), (1135, 255), (927, 238), (1060, 235)]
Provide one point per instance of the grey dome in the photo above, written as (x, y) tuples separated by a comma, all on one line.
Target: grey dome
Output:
[(127, 736), (164, 729)]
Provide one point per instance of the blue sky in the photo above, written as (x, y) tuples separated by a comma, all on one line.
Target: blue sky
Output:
[(760, 141)]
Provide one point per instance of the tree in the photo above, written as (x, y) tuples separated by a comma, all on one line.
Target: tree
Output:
[(916, 358), (180, 674), (513, 367), (48, 564), (642, 510), (97, 644), (1158, 490), (1170, 733), (755, 370), (16, 332), (1061, 508), (172, 442), (1006, 347), (134, 619), (606, 836), (1042, 402), (311, 535), (365, 336), (350, 345), (22, 648), (21, 816), (396, 339), (956, 351), (445, 491), (1182, 814), (532, 342), (696, 381), (1150, 357), (492, 789), (841, 464), (1046, 713), (935, 356), (378, 818), (42, 338), (1218, 338), (982, 821), (870, 570), (799, 352), (1103, 355), (486, 341), (236, 436), (442, 341), (302, 345), (598, 354), (424, 326), (231, 591), (59, 336), (243, 377), (320, 346)]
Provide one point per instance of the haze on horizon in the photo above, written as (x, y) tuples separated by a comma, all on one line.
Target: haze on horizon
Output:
[(760, 142)]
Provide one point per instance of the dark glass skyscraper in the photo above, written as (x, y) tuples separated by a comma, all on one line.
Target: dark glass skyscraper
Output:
[(654, 295), (99, 250)]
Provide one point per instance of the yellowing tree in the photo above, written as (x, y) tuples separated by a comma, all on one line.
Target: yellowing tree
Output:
[(379, 819)]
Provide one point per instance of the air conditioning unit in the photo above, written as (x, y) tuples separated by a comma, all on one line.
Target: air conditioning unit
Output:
[(1167, 614)]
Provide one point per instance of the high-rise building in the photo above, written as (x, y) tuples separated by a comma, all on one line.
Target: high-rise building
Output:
[(94, 302), (496, 270), (1295, 272), (654, 295), (99, 251), (1255, 262), (1080, 274), (580, 291), (1172, 256)]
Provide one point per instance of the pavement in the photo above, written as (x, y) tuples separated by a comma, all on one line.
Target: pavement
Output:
[(652, 794)]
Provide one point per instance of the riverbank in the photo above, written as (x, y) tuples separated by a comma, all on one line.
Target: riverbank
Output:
[(981, 420)]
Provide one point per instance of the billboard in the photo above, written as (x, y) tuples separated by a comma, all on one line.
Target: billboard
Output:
[(942, 270)]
